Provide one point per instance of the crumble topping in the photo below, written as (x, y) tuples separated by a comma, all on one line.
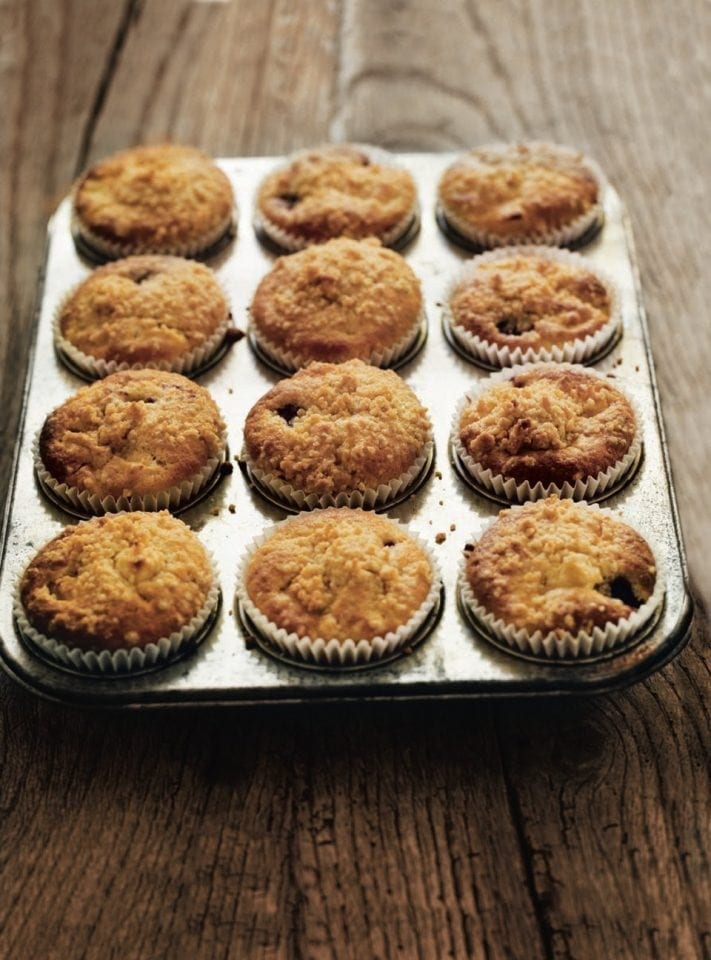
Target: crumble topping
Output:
[(341, 300), (336, 191), (159, 196), (555, 565), (144, 309), (339, 574), (117, 581), (529, 301), (337, 427), (138, 432)]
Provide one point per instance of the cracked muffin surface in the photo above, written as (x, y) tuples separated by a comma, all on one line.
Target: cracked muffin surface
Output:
[(517, 191), (337, 191), (333, 428), (341, 300), (134, 433), (117, 581), (144, 309), (339, 574), (164, 198), (559, 566), (548, 423), (530, 302)]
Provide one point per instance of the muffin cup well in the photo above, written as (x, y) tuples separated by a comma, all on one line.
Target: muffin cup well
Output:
[(392, 357), (371, 498), (94, 368), (290, 242), (109, 663), (88, 504), (558, 646), (564, 236), (335, 653), (493, 356), (506, 488)]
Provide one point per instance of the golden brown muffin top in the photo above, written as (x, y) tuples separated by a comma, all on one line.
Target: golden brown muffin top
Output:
[(337, 191), (555, 565), (530, 302), (137, 433), (339, 574), (520, 190), (117, 581), (156, 199), (335, 428), (548, 424), (344, 299), (144, 309)]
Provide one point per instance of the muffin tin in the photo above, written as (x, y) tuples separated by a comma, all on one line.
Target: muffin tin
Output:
[(454, 660)]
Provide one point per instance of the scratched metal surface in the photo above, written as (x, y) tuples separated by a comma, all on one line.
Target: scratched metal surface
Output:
[(453, 661)]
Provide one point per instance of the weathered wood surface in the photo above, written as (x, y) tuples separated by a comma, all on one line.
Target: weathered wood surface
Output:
[(566, 829)]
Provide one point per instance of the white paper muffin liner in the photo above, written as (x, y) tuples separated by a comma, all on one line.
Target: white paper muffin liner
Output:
[(96, 369), (335, 653), (127, 659), (560, 237), (93, 505), (584, 489), (367, 499), (377, 358), (563, 646), (113, 250), (291, 242), (579, 350)]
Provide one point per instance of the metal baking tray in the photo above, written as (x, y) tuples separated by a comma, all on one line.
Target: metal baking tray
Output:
[(454, 661)]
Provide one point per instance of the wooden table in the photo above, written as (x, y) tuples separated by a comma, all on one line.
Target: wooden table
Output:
[(561, 829)]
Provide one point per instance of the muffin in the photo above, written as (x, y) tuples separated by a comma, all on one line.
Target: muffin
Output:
[(524, 304), (165, 198), (344, 190), (137, 440), (521, 193), (338, 587), (116, 593), (556, 578), (343, 434), (547, 429), (343, 300), (164, 312)]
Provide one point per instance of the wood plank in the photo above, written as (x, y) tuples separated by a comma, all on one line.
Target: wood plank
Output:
[(46, 102), (613, 799), (337, 832), (236, 78)]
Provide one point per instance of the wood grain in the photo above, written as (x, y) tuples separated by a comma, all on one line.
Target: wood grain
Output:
[(45, 104), (566, 829)]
